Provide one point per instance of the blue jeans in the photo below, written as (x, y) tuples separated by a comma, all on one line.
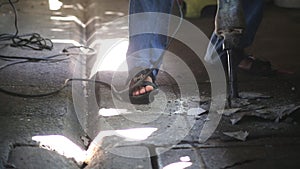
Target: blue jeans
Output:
[(145, 49)]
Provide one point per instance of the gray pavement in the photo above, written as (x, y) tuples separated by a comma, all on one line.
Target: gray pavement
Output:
[(84, 123)]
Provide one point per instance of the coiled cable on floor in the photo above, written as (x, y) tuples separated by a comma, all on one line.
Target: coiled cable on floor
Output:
[(31, 40)]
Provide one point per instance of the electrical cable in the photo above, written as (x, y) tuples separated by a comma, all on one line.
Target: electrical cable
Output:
[(5, 3), (51, 58), (39, 59), (16, 17), (56, 91)]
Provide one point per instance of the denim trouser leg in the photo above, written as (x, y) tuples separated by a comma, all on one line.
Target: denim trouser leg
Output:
[(145, 44), (253, 10)]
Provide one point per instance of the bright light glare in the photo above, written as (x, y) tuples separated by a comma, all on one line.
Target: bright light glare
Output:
[(67, 148), (114, 13), (79, 6), (185, 159), (178, 165), (137, 134), (75, 43), (115, 57), (62, 146), (185, 162), (112, 112), (68, 18), (55, 5), (69, 6), (57, 30)]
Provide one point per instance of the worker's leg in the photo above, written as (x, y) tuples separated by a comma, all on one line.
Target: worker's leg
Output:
[(145, 42)]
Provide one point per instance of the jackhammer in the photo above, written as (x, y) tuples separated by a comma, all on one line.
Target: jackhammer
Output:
[(230, 26)]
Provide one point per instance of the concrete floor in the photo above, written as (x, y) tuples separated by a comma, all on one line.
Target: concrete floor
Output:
[(66, 129)]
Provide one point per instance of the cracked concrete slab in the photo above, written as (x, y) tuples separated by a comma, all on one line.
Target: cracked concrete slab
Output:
[(176, 158), (129, 157), (35, 158), (254, 157)]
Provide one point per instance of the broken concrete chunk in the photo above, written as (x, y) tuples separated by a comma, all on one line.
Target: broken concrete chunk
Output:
[(253, 107), (8, 165), (253, 95), (196, 111), (276, 113), (236, 120), (238, 102), (228, 112), (202, 99), (239, 135), (287, 111)]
